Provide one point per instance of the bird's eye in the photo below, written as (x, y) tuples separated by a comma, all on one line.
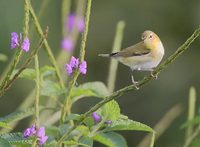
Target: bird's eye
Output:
[(151, 36)]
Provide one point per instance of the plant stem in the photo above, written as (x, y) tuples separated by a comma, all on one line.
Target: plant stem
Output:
[(144, 81), (24, 66), (19, 51), (192, 136), (64, 56), (37, 95), (28, 101), (47, 47), (191, 112), (113, 63), (84, 35), (152, 140), (66, 106)]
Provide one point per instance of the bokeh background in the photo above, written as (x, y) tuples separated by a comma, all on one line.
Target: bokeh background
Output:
[(173, 20)]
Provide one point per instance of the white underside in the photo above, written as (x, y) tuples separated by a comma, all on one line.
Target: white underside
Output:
[(144, 62), (140, 63)]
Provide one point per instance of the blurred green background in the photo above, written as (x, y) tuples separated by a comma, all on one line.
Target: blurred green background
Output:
[(173, 20)]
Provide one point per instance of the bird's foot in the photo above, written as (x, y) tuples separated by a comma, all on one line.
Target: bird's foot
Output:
[(135, 84), (155, 76)]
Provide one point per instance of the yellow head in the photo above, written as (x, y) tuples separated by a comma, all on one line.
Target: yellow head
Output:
[(150, 39)]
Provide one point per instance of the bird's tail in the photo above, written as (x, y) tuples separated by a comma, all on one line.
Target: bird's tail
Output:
[(108, 55), (104, 55)]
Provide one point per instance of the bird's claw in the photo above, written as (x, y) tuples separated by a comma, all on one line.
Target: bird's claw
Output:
[(135, 84), (154, 75)]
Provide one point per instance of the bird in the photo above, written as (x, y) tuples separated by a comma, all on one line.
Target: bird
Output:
[(143, 56)]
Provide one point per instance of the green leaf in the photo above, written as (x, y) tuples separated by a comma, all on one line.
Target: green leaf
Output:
[(4, 125), (28, 73), (195, 143), (72, 117), (86, 141), (64, 128), (19, 114), (46, 71), (110, 110), (192, 122), (127, 124), (3, 57), (16, 139), (52, 143), (4, 143), (96, 89), (52, 132), (111, 139), (72, 143), (50, 88), (82, 130), (89, 122)]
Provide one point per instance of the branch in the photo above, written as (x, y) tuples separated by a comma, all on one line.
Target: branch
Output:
[(37, 93), (112, 73), (66, 106), (192, 137), (24, 66), (145, 80), (47, 47), (19, 51)]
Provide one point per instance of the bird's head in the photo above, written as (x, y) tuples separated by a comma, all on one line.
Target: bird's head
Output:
[(150, 39)]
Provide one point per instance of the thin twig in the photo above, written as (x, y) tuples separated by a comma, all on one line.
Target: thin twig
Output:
[(37, 94), (145, 80), (66, 106), (192, 137), (190, 134), (113, 63), (47, 47), (25, 64), (191, 111), (19, 51)]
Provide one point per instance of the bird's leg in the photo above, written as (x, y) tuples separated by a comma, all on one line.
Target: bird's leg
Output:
[(154, 75), (135, 83)]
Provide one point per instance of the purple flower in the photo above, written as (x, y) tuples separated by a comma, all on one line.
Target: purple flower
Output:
[(74, 21), (67, 44), (41, 136), (70, 22), (26, 44), (29, 131), (17, 39), (74, 62), (80, 24), (83, 67), (41, 132), (42, 140), (14, 40), (96, 117), (68, 69)]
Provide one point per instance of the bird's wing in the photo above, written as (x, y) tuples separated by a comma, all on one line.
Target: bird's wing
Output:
[(136, 50)]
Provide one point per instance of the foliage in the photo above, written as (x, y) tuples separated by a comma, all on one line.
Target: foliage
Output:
[(73, 129)]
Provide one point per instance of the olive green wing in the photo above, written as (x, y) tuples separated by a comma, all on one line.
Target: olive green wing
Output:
[(136, 50)]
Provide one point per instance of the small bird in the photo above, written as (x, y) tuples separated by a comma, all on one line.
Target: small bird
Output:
[(143, 56)]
